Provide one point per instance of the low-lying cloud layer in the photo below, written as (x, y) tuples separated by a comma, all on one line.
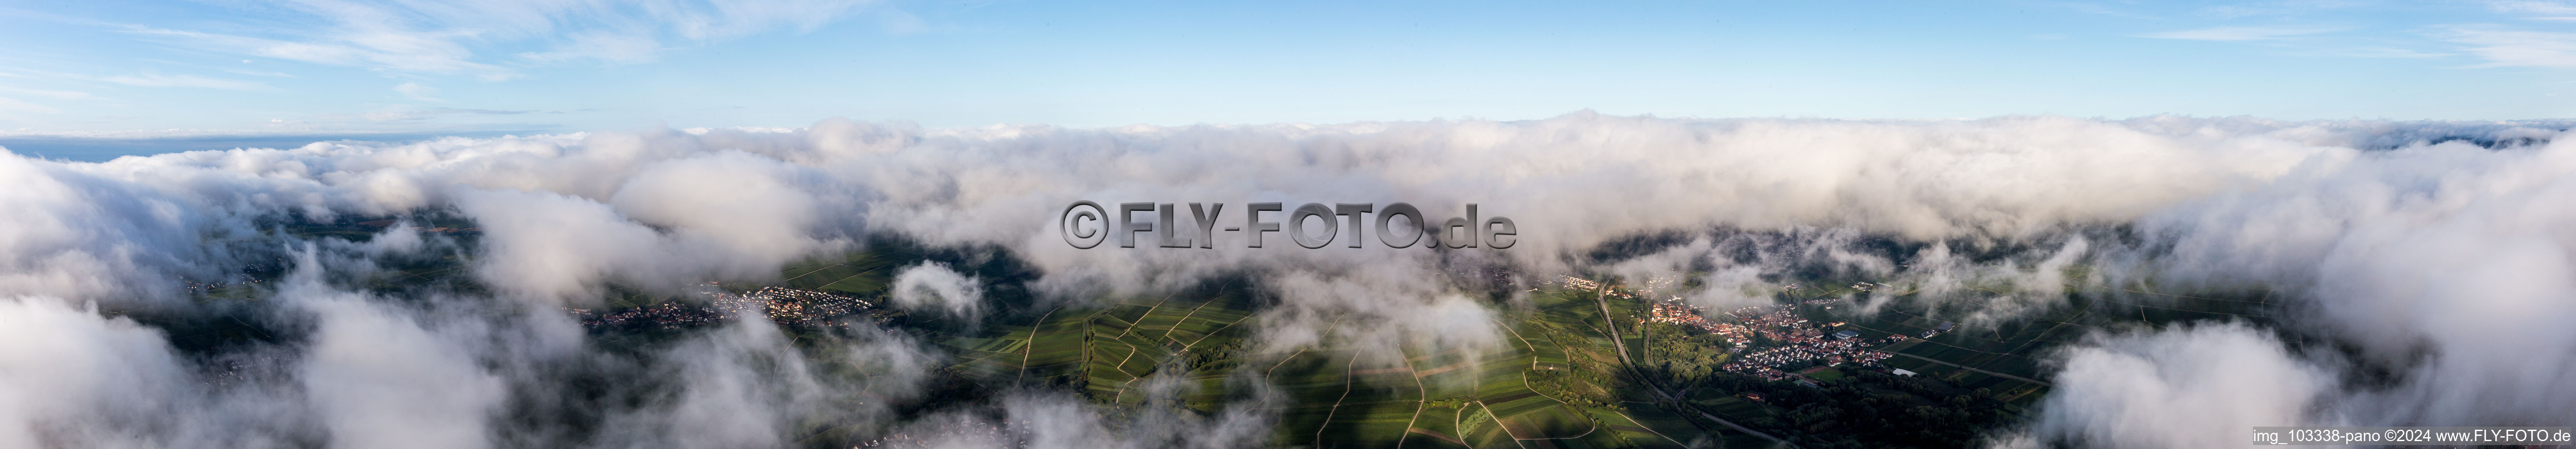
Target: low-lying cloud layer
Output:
[(2435, 255)]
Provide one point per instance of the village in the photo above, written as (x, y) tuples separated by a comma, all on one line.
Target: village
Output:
[(1795, 343), (779, 304)]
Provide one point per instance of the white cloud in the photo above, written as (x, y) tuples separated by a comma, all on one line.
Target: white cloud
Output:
[(2190, 387), (2385, 52), (379, 379), (2242, 33), (934, 287), (68, 368), (462, 37), (2503, 47), (2546, 8), (159, 80), (55, 94)]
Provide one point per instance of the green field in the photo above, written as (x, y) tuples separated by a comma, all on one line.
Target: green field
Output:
[(1336, 397), (1558, 377)]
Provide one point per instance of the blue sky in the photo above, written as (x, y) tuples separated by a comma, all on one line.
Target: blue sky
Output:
[(113, 69)]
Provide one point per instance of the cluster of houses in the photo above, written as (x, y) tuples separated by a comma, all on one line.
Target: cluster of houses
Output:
[(1676, 312), (666, 315), (441, 230), (1766, 363), (780, 304), (963, 433), (201, 287), (1575, 283), (1803, 343), (796, 305)]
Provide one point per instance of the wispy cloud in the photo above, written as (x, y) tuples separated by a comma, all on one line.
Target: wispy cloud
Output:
[(609, 48), (159, 80), (8, 106), (57, 94), (2386, 52), (462, 37), (2547, 8), (2103, 9), (400, 113), (2242, 33), (266, 73), (416, 91), (2537, 10), (413, 52), (484, 111), (2503, 47), (2278, 8)]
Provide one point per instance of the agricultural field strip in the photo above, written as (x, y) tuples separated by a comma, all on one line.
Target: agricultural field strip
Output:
[(986, 355), (2071, 322), (2052, 328), (1603, 344), (1131, 347), (1748, 430), (1422, 397), (2266, 294), (1185, 318), (811, 272), (1213, 332), (1283, 361), (1559, 402), (1533, 349), (1478, 380), (1399, 444), (1337, 402), (1458, 423), (1963, 348), (1027, 339), (2184, 310), (1677, 401), (844, 278), (1140, 319), (1032, 346), (1167, 334), (1094, 346), (1642, 424), (1498, 423), (1971, 368), (842, 263), (1121, 366)]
